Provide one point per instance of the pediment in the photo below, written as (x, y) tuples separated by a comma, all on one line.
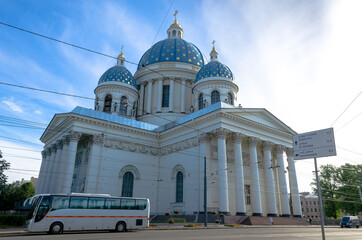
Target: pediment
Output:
[(261, 116)]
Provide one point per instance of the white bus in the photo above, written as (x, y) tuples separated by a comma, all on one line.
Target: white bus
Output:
[(55, 213)]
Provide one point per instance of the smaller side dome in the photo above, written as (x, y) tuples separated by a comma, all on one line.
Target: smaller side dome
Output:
[(118, 74), (214, 68)]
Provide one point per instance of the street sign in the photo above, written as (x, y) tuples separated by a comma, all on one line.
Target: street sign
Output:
[(314, 144)]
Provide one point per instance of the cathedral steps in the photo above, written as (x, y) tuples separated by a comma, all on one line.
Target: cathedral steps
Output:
[(251, 220)]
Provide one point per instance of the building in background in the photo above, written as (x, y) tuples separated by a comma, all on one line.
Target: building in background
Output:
[(310, 205), (149, 133)]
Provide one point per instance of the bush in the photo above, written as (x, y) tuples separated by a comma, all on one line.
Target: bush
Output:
[(12, 220), (217, 221), (180, 220), (167, 213), (171, 220), (176, 212)]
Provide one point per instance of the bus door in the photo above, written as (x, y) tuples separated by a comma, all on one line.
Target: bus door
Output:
[(43, 209)]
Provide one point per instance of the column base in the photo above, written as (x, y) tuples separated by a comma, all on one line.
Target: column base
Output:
[(272, 215), (225, 213), (240, 214), (297, 216), (285, 215), (170, 111), (183, 112), (158, 112), (257, 214)]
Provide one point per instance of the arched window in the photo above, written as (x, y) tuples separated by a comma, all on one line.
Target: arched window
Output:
[(179, 34), (107, 103), (123, 106), (230, 99), (174, 33), (127, 184), (201, 101), (215, 97), (179, 187), (165, 95)]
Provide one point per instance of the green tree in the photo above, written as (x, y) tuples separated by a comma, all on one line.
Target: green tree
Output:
[(4, 165), (350, 180), (12, 194), (340, 188)]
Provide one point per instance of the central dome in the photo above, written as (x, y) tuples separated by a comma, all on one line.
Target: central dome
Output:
[(172, 50)]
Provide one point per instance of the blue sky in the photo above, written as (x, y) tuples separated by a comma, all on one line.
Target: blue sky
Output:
[(301, 60)]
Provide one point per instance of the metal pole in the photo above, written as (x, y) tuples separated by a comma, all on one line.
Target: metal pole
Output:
[(319, 198), (205, 195)]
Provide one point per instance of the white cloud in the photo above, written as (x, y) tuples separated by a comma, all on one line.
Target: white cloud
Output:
[(13, 106), (38, 112)]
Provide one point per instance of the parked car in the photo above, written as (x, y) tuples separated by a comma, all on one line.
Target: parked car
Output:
[(350, 222)]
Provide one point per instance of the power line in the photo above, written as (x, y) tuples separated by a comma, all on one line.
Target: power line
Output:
[(162, 22), (347, 108), (47, 91)]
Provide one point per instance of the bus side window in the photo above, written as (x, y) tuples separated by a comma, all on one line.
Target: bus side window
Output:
[(60, 202), (128, 203), (96, 203), (141, 204), (43, 208), (79, 202), (112, 203)]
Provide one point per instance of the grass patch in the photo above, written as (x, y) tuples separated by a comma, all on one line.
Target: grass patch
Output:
[(232, 225), (194, 225), (179, 220)]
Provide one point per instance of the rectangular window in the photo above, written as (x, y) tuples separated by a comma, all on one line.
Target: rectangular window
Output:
[(112, 203), (311, 209), (141, 204), (96, 203), (128, 203), (314, 202), (60, 202), (165, 95), (247, 195), (315, 210), (78, 202), (248, 200)]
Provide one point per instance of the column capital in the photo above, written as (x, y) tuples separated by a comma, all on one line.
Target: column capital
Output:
[(49, 150), (98, 139), (60, 144), (74, 136), (65, 139), (237, 137), (53, 147), (44, 153), (252, 141), (204, 138), (279, 149), (267, 145), (289, 152), (221, 133), (165, 78)]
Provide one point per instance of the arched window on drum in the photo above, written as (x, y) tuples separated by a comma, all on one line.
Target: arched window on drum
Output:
[(107, 103), (123, 106), (215, 97)]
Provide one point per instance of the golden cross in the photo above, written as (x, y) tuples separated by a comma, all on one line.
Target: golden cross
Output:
[(122, 48), (213, 43), (175, 15)]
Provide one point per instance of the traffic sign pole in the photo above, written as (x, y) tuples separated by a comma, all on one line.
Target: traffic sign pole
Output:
[(320, 198)]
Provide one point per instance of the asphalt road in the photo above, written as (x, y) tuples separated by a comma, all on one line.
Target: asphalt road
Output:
[(207, 234)]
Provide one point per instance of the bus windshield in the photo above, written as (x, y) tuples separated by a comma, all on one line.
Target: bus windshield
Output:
[(34, 203)]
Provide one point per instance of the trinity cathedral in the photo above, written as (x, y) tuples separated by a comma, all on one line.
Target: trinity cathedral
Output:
[(150, 133)]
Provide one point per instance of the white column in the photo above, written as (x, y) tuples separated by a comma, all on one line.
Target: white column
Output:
[(140, 103), (62, 165), (149, 97), (272, 210), (221, 134), (56, 173), (239, 174), (49, 170), (170, 108), (41, 172), (70, 161), (183, 85), (159, 96), (282, 182), (254, 173), (294, 192), (91, 185), (204, 141)]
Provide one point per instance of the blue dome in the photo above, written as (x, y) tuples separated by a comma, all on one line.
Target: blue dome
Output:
[(172, 50), (118, 74), (214, 69)]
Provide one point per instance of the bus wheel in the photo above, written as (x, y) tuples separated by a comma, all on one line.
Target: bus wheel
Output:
[(56, 228), (121, 227)]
